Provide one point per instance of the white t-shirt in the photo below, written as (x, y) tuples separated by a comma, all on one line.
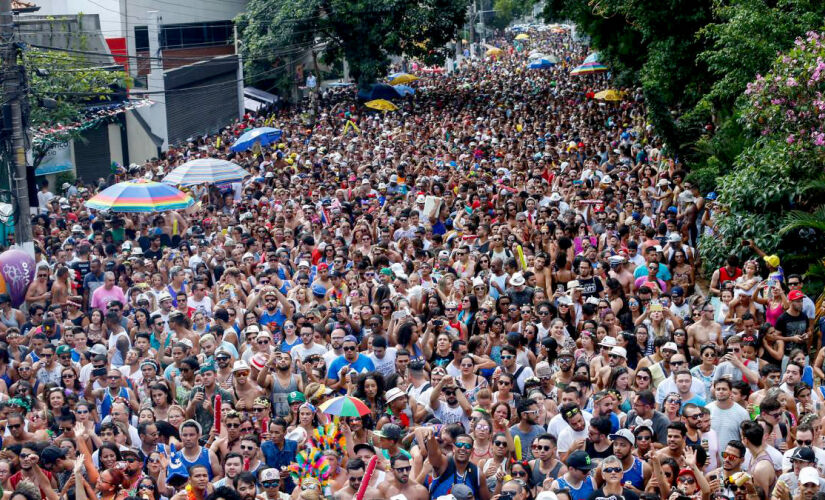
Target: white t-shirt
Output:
[(557, 423), (449, 415), (567, 436), (204, 305), (386, 365), (301, 352)]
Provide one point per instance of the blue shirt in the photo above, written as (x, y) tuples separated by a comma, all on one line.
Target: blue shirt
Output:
[(275, 458), (361, 365), (663, 274)]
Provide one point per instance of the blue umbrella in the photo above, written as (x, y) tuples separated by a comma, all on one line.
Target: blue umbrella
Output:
[(592, 58), (263, 135), (404, 90), (378, 91), (540, 64)]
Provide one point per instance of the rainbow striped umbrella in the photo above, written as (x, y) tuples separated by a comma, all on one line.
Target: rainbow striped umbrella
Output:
[(206, 171), (345, 406), (586, 68), (140, 196)]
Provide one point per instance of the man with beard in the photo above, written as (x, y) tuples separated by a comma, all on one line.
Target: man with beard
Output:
[(597, 445), (148, 434), (249, 451), (457, 409), (134, 466), (244, 390), (564, 376), (577, 430), (279, 381), (31, 471), (449, 471), (276, 308), (200, 404), (399, 483), (356, 469), (591, 286), (351, 360), (644, 408), (336, 344), (725, 415), (223, 373), (244, 484), (527, 429)]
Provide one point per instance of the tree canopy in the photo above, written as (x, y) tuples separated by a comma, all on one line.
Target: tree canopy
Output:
[(364, 33)]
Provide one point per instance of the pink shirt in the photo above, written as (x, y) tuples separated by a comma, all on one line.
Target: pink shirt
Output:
[(101, 297)]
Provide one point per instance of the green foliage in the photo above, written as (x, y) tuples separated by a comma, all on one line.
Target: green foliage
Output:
[(508, 11), (365, 33), (67, 73), (771, 195), (652, 43)]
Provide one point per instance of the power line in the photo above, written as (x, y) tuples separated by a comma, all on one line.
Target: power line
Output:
[(170, 91)]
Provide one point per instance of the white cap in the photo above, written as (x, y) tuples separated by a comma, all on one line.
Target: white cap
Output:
[(248, 255), (365, 182), (670, 346), (77, 228), (808, 475), (303, 263), (66, 185), (555, 197), (619, 351), (573, 284), (517, 279), (608, 342), (663, 182), (164, 295), (420, 199), (240, 365)]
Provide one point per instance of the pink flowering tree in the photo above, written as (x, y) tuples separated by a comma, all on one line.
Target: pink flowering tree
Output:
[(781, 173)]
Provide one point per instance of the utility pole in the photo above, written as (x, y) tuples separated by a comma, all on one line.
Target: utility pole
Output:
[(13, 93)]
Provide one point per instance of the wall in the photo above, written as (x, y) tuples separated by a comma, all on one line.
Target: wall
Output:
[(78, 32)]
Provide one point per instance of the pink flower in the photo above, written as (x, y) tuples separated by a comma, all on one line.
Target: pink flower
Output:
[(819, 140), (791, 139), (791, 82)]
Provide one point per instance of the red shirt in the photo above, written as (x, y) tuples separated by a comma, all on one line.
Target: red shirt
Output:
[(18, 476)]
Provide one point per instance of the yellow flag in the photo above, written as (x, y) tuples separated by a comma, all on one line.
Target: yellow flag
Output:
[(518, 127), (218, 143)]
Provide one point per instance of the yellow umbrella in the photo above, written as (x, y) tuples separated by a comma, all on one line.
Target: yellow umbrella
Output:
[(610, 95), (381, 105), (401, 78), (522, 36), (495, 52)]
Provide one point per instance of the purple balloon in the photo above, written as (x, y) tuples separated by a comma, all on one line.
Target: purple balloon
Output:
[(17, 270)]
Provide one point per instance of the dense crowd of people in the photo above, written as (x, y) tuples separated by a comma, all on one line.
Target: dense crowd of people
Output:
[(504, 271)]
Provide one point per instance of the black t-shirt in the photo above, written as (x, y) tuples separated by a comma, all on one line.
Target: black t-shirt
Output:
[(590, 448), (439, 360), (626, 495), (591, 287), (153, 254), (789, 325)]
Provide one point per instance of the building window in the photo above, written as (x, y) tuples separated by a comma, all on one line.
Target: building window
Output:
[(179, 36)]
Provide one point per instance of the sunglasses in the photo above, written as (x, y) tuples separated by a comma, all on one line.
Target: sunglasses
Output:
[(466, 446), (270, 484), (350, 348), (612, 470)]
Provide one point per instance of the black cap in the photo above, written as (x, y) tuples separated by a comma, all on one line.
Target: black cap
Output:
[(390, 431), (804, 454), (51, 454), (580, 460)]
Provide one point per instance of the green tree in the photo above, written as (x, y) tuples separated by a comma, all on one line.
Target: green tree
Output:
[(508, 11), (771, 194), (73, 85), (364, 33), (651, 43)]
